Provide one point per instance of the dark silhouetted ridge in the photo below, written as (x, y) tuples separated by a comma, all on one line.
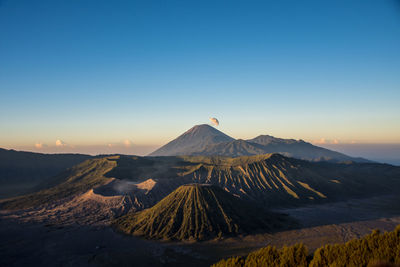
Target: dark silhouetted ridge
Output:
[(24, 172)]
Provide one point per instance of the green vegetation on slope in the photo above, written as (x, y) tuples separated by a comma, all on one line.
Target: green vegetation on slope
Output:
[(358, 252), (270, 256), (271, 179), (277, 180), (198, 212), (75, 180)]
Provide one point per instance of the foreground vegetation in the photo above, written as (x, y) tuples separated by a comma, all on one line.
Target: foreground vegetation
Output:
[(375, 247)]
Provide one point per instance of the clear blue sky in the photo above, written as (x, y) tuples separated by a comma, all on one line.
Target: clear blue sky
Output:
[(93, 73)]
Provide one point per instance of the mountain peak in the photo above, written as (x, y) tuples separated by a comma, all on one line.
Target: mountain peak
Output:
[(193, 140), (203, 212), (200, 126), (203, 129), (206, 140)]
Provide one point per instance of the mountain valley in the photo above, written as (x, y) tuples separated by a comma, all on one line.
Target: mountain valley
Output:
[(215, 197)]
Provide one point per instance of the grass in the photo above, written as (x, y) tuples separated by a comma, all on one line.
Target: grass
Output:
[(375, 249)]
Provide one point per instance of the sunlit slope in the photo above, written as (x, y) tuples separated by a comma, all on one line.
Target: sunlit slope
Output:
[(375, 249), (198, 212), (279, 180)]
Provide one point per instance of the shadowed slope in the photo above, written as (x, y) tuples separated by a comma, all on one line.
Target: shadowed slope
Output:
[(208, 141), (76, 180), (234, 148), (197, 212), (268, 144), (23, 172), (300, 149)]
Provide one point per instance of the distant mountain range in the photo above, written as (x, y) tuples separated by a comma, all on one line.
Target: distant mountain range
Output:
[(205, 140)]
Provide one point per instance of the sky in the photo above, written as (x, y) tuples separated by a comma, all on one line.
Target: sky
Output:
[(129, 76)]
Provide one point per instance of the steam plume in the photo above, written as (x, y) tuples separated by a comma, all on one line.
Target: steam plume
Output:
[(214, 121)]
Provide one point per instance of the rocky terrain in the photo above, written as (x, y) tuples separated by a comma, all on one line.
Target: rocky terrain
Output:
[(186, 199), (25, 242), (200, 212), (101, 189)]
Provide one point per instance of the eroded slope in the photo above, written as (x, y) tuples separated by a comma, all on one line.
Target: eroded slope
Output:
[(198, 212)]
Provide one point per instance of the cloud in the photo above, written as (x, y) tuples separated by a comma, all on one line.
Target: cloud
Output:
[(60, 143), (324, 141), (40, 145), (127, 143), (123, 143), (320, 141), (214, 121)]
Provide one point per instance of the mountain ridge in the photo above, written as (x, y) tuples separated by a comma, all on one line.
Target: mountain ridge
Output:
[(198, 212), (271, 179), (194, 139), (207, 141), (24, 172)]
